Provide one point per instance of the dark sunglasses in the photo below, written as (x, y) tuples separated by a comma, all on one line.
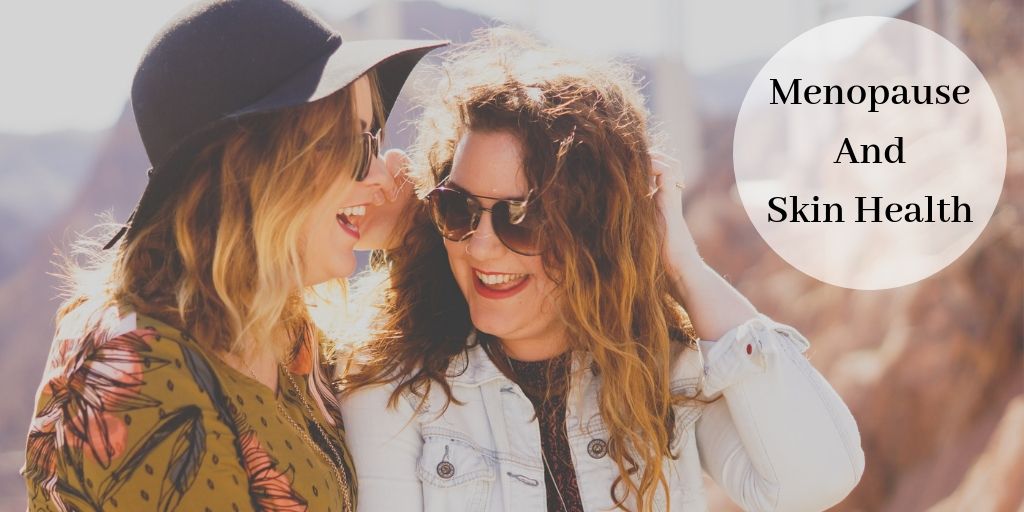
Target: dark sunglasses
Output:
[(457, 215), (371, 149), (370, 142)]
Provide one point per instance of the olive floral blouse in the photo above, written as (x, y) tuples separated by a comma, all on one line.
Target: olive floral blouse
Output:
[(144, 418)]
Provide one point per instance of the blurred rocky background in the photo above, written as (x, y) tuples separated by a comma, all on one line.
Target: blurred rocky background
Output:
[(934, 371)]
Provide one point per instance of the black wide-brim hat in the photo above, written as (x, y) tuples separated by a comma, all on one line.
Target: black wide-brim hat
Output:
[(219, 61)]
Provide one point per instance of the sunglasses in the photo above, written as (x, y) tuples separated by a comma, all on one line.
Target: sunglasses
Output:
[(371, 149), (457, 213), (370, 142)]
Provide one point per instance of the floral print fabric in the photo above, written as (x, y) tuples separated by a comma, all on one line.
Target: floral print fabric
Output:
[(145, 419)]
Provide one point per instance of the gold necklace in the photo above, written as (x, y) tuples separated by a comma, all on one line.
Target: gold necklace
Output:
[(304, 434), (543, 457)]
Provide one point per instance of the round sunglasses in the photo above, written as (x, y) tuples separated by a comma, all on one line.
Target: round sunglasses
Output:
[(371, 149), (456, 213), (370, 142)]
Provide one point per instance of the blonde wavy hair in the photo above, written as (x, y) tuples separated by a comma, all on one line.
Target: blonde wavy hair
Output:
[(583, 130), (222, 257)]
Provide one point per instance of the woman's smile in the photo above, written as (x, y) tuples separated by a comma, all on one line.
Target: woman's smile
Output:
[(499, 285), (349, 219)]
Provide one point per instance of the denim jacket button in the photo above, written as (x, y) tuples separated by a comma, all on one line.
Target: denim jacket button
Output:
[(445, 469), (597, 448)]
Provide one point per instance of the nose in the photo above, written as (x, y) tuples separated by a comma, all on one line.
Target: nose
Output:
[(484, 244), (378, 180)]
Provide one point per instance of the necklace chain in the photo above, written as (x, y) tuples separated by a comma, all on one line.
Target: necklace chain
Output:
[(543, 456), (304, 435)]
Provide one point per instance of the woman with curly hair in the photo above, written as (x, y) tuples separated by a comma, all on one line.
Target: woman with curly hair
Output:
[(562, 345), (186, 371)]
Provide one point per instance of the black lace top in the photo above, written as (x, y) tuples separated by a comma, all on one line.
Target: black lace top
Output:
[(544, 383)]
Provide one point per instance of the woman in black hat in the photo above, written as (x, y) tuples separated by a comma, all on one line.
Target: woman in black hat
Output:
[(186, 372)]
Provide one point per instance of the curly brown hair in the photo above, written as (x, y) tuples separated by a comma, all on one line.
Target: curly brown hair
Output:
[(584, 134)]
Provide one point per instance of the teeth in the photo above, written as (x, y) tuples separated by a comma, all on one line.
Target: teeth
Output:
[(352, 211), (498, 278)]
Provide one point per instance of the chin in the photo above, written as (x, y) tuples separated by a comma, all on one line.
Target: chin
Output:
[(346, 269), (340, 270), (493, 323), (369, 238)]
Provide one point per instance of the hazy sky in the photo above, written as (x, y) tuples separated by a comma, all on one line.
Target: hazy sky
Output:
[(68, 64)]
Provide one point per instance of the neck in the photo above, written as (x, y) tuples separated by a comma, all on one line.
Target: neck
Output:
[(261, 366)]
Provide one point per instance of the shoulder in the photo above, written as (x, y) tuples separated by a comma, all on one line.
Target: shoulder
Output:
[(686, 370), (396, 397), (121, 361), (467, 368), (112, 391), (126, 370), (376, 406), (686, 384), (114, 341)]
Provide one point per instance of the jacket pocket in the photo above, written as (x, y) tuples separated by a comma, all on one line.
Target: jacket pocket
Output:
[(456, 475)]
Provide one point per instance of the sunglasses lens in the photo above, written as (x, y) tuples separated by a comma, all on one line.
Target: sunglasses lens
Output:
[(452, 213), (519, 232), (371, 148), (362, 169)]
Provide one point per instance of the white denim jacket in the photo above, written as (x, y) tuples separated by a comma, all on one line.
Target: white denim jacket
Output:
[(781, 439)]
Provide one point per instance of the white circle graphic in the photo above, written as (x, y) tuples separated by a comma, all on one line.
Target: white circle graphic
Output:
[(869, 152)]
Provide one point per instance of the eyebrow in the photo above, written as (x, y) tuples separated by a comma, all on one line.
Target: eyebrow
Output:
[(451, 184)]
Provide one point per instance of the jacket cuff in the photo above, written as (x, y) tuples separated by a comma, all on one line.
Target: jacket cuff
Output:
[(750, 348)]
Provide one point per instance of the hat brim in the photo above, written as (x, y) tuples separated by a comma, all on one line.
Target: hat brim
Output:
[(393, 59)]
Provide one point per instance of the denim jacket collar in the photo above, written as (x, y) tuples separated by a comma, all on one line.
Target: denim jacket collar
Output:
[(473, 367)]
